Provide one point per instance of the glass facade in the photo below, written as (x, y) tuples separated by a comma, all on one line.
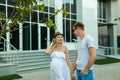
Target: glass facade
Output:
[(34, 35), (69, 20), (118, 40), (102, 11), (26, 37), (14, 37), (103, 37)]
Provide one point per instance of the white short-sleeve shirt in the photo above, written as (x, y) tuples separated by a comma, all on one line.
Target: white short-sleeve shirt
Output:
[(83, 51)]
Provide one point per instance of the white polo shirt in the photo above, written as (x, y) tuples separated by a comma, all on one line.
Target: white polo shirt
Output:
[(83, 52)]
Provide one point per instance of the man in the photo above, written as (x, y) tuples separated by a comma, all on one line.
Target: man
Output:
[(86, 54)]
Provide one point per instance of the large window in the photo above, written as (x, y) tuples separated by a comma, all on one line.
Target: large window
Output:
[(118, 40), (102, 10), (30, 33), (11, 2), (69, 20), (104, 40), (34, 37), (2, 1), (2, 9), (14, 37), (28, 36)]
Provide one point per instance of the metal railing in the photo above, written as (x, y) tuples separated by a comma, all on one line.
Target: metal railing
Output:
[(108, 51), (4, 46), (8, 55)]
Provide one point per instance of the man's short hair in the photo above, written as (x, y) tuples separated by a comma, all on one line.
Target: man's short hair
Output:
[(79, 24)]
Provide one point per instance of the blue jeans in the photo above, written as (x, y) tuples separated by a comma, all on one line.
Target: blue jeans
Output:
[(88, 76)]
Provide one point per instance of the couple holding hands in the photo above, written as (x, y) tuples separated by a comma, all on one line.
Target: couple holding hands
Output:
[(61, 67)]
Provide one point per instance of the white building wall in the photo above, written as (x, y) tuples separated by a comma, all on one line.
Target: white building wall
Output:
[(115, 13), (87, 13), (89, 18), (59, 16)]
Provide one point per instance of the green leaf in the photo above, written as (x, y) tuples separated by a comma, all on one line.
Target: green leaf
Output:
[(34, 2), (56, 12), (64, 12), (2, 16), (10, 25), (117, 19), (42, 7), (49, 23), (14, 21), (5, 31)]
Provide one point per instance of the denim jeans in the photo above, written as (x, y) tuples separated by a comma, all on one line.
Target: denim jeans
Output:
[(88, 76)]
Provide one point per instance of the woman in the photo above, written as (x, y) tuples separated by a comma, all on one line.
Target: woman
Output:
[(60, 63)]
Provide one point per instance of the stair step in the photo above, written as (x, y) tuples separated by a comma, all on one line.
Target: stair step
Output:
[(33, 64), (33, 68), (30, 54), (33, 57), (33, 60)]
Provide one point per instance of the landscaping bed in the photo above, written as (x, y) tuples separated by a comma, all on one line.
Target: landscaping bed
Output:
[(10, 77), (106, 61)]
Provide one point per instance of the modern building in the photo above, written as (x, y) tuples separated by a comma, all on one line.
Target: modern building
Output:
[(108, 28), (97, 15), (37, 36)]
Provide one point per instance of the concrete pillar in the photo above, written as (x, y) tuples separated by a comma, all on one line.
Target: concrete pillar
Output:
[(21, 36), (8, 40), (113, 38), (59, 16)]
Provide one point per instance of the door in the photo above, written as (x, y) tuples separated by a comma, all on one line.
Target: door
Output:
[(43, 37)]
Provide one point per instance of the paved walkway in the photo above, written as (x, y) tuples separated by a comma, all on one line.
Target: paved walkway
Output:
[(102, 72)]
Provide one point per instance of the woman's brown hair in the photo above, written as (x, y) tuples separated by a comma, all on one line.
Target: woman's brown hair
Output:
[(57, 33)]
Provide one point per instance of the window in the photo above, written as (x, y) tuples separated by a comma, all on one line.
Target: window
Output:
[(42, 16), (2, 1), (118, 40), (14, 37), (34, 16), (104, 40), (11, 2), (52, 32), (26, 36), (34, 36), (2, 9), (69, 20), (29, 34), (102, 10)]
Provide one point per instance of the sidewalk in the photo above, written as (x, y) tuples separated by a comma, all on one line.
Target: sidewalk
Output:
[(102, 72), (107, 72)]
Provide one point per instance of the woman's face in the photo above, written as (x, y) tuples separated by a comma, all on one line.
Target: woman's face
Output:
[(58, 39)]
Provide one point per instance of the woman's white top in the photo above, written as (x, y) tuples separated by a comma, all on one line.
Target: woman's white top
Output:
[(59, 68)]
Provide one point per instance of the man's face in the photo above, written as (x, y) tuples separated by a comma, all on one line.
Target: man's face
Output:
[(75, 31)]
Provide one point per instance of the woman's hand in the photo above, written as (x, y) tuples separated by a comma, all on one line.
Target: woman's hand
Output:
[(73, 77)]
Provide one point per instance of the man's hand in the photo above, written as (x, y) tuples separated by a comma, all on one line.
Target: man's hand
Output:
[(84, 71)]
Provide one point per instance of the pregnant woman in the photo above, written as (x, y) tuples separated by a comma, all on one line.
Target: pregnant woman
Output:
[(60, 64)]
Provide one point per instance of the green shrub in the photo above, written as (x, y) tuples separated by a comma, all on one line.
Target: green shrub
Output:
[(106, 61), (10, 77)]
